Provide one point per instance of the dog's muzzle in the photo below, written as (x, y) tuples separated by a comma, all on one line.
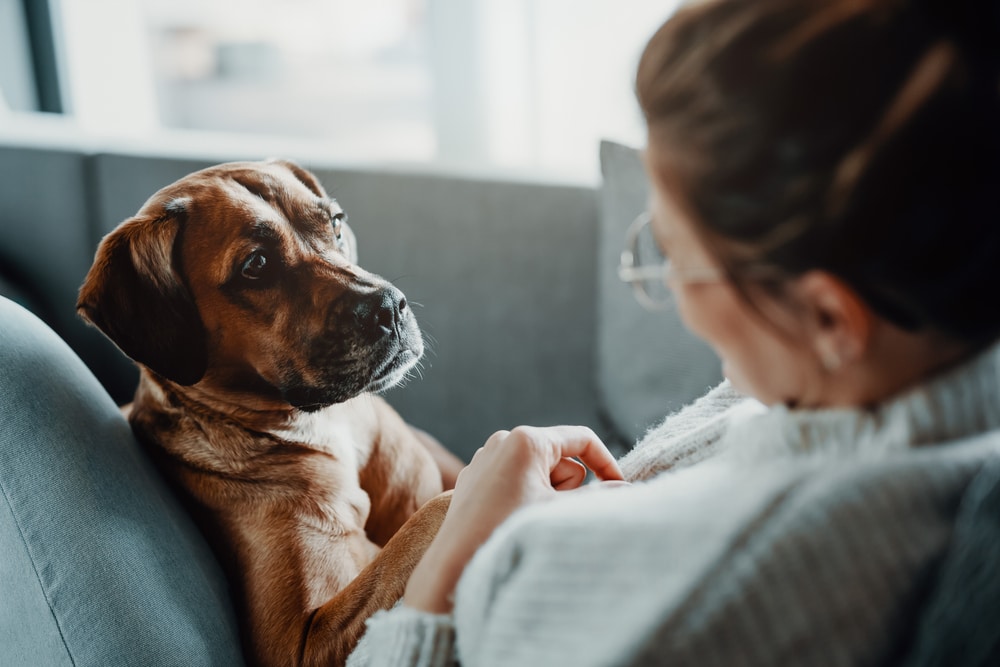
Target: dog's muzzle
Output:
[(371, 342), (381, 313), (388, 325)]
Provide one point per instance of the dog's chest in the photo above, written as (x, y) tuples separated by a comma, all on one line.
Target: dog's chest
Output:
[(333, 432)]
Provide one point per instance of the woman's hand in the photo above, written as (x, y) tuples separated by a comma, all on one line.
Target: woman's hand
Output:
[(513, 469)]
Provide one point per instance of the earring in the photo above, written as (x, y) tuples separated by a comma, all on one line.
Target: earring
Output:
[(830, 358)]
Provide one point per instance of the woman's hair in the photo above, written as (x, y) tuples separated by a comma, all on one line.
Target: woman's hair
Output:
[(860, 137)]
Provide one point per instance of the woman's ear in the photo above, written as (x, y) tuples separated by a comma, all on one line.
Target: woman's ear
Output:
[(838, 322)]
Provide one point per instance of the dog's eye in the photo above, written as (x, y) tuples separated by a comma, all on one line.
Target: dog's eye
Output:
[(337, 221), (254, 265)]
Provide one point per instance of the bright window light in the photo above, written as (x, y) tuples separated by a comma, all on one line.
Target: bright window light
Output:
[(515, 84)]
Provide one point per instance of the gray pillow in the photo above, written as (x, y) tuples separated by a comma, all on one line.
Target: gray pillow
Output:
[(648, 364), (99, 565)]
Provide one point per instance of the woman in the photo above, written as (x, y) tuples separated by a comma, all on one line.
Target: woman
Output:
[(823, 177)]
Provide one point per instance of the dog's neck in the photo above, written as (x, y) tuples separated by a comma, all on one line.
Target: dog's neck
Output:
[(353, 420)]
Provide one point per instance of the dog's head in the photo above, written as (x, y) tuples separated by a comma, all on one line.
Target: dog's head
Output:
[(243, 278)]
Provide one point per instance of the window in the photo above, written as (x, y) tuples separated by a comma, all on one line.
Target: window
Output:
[(28, 77), (515, 84), (350, 75)]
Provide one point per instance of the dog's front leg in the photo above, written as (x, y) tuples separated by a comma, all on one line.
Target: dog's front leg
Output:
[(307, 598), (333, 630), (399, 476)]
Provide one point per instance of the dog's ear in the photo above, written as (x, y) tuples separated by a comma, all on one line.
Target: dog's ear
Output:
[(304, 176), (134, 295)]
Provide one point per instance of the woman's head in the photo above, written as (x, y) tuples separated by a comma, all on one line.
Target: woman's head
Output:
[(855, 142)]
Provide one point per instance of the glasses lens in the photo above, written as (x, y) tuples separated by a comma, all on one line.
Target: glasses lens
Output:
[(648, 255)]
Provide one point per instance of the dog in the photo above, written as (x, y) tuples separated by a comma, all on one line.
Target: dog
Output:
[(262, 346)]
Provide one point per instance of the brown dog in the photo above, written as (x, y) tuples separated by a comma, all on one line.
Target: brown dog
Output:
[(260, 343)]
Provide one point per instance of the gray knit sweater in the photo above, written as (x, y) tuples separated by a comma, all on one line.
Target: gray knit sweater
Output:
[(757, 537)]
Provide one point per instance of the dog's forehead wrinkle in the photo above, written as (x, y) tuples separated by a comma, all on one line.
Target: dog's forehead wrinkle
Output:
[(257, 182), (311, 220), (262, 229), (283, 197)]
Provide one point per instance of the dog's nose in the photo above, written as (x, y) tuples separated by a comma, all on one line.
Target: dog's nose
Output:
[(380, 312)]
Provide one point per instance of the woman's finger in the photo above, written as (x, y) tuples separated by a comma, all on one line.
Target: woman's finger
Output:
[(582, 443), (567, 474)]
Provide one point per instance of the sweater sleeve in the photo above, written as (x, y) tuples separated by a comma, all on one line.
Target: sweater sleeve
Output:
[(686, 437), (406, 637), (715, 565)]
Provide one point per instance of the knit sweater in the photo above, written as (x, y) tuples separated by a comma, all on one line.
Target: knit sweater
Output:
[(756, 536)]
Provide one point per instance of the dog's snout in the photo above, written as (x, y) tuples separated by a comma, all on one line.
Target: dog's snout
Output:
[(379, 313)]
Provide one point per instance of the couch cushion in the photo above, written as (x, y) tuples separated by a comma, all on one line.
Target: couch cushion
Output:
[(99, 565), (648, 364)]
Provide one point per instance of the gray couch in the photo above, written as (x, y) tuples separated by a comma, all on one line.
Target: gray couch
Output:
[(526, 320), (99, 565)]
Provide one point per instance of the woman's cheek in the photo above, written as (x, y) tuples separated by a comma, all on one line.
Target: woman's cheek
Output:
[(722, 321), (691, 312), (702, 318)]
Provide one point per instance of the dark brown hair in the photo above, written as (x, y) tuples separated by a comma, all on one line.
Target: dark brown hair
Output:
[(860, 137)]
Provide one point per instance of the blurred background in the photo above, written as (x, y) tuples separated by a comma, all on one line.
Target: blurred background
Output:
[(524, 85), (483, 149)]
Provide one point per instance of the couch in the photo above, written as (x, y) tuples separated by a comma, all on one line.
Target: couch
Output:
[(514, 275), (99, 565)]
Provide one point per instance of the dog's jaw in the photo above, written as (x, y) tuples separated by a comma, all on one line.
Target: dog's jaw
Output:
[(396, 363), (248, 390), (396, 370)]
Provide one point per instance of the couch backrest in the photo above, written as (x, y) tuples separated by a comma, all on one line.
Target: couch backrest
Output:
[(47, 242)]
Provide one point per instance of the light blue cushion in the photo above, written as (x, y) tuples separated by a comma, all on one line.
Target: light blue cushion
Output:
[(99, 565)]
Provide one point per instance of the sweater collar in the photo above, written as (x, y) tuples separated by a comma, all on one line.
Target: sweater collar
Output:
[(961, 402)]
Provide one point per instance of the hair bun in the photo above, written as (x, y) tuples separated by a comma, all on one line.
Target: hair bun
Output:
[(973, 24)]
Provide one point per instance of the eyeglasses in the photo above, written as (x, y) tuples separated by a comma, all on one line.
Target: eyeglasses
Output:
[(650, 274)]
